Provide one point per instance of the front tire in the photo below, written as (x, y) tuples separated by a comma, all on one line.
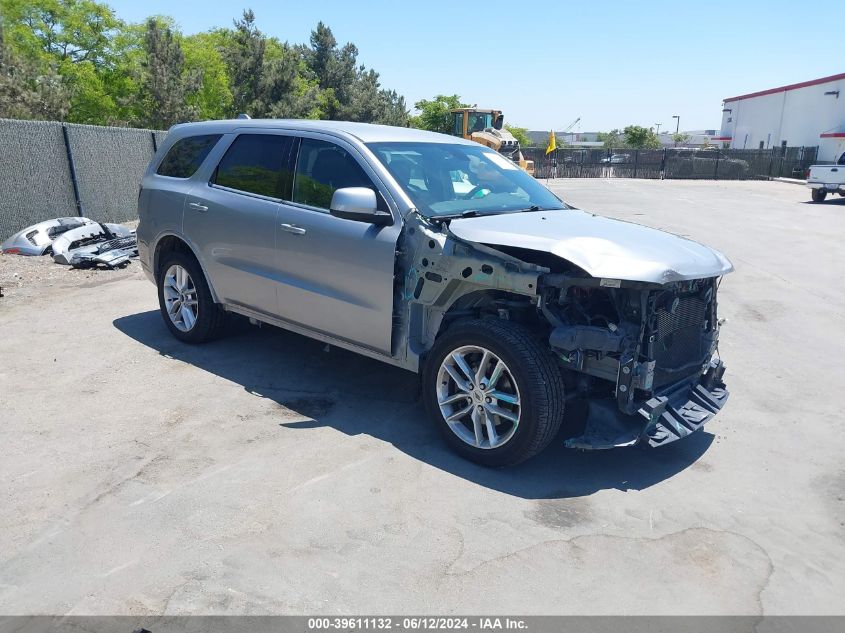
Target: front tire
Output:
[(185, 300), (819, 195), (494, 390)]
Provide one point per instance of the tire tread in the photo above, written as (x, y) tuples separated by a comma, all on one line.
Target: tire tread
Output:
[(212, 317), (540, 374)]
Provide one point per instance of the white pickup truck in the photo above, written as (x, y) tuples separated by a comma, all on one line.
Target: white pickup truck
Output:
[(824, 179)]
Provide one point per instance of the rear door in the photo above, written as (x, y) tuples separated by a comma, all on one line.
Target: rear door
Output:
[(336, 274), (232, 217)]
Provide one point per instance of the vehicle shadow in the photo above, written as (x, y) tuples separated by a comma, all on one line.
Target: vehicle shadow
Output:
[(835, 201), (358, 395)]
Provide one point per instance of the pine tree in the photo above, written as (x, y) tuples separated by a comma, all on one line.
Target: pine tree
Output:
[(245, 61), (26, 93), (165, 83)]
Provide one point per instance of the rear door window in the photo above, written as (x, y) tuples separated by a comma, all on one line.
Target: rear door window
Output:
[(186, 155), (322, 168), (257, 163)]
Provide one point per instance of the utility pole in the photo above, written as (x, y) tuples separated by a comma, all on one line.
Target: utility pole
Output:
[(658, 127), (677, 125)]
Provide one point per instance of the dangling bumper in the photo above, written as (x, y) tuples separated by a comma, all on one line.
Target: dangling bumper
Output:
[(672, 413)]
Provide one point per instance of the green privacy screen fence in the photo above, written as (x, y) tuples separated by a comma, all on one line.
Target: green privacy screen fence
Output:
[(50, 169)]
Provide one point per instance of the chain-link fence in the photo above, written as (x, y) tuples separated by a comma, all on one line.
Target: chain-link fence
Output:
[(676, 163), (50, 170)]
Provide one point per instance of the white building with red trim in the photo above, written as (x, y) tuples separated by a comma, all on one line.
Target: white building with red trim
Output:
[(804, 114)]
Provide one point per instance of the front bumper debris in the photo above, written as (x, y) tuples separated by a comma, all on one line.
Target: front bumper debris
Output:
[(672, 413)]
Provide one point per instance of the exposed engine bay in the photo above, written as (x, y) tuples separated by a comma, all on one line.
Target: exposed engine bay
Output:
[(639, 350), (640, 358)]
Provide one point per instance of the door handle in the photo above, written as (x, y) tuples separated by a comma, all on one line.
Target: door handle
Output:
[(196, 206), (292, 228), (834, 169)]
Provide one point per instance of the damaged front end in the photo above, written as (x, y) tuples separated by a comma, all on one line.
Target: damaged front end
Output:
[(642, 355), (639, 358)]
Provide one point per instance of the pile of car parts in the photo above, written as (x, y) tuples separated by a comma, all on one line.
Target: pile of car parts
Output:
[(77, 242)]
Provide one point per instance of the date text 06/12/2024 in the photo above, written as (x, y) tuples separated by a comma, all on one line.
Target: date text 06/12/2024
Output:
[(416, 623)]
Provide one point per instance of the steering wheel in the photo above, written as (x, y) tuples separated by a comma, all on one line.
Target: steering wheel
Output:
[(414, 188), (471, 193)]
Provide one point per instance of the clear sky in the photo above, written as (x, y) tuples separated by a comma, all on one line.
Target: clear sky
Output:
[(545, 63)]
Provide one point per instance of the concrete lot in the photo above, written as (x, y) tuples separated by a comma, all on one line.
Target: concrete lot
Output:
[(263, 474)]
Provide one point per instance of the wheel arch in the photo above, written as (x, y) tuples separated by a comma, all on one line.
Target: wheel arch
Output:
[(474, 304), (171, 242), (430, 322)]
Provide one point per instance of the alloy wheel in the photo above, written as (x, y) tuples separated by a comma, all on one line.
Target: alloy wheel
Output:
[(180, 298), (478, 397)]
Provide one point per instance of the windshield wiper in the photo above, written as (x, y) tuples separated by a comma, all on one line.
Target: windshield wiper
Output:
[(474, 213), (469, 213), (536, 208)]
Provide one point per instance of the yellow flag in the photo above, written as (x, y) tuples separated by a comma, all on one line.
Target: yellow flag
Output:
[(551, 146)]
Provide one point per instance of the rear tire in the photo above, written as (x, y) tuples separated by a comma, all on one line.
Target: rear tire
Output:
[(508, 416), (819, 195), (185, 300)]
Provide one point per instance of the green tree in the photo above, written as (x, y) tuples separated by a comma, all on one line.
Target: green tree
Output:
[(370, 103), (80, 39), (321, 54), (434, 115), (611, 139), (245, 60), (394, 111), (336, 72), (680, 138), (77, 31), (213, 98), (166, 83), (285, 91), (25, 93), (639, 137), (521, 135), (75, 59), (271, 78)]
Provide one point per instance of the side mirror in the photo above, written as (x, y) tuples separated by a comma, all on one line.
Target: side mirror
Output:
[(499, 122), (359, 204)]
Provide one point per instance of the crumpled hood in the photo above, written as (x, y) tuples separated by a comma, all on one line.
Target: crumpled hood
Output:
[(605, 248)]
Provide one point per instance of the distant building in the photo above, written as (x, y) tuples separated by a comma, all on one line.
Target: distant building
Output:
[(695, 138), (805, 114), (575, 139)]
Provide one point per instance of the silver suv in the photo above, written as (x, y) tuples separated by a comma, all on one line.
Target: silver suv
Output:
[(440, 256)]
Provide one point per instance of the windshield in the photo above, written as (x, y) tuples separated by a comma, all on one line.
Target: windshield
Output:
[(443, 179)]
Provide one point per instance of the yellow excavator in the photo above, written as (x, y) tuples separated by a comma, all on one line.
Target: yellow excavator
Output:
[(486, 127)]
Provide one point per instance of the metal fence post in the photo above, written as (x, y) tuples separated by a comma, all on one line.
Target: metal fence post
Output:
[(663, 165), (72, 168), (636, 161), (716, 168)]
